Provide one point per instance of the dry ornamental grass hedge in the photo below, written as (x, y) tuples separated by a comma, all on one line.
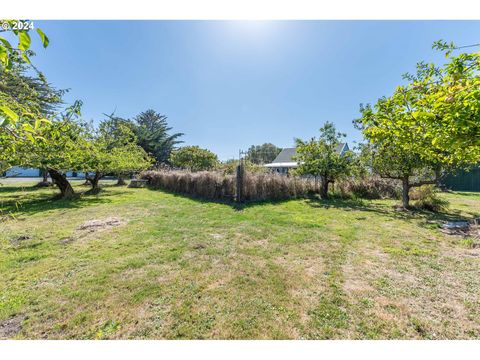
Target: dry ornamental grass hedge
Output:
[(217, 186), (372, 187)]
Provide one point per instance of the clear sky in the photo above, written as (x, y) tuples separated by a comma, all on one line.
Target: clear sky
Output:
[(231, 84)]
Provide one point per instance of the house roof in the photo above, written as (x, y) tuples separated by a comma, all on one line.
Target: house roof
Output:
[(285, 156)]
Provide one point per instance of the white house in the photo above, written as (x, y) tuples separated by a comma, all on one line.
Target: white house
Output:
[(284, 162)]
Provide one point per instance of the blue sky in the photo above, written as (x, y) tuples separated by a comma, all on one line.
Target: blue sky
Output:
[(231, 84)]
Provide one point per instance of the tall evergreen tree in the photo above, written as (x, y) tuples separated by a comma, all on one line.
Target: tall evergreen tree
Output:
[(152, 131)]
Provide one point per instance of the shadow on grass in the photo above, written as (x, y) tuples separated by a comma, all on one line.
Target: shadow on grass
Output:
[(11, 189), (227, 201), (45, 201), (423, 217), (388, 210)]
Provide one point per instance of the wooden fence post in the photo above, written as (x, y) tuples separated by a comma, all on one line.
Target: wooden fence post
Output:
[(239, 187)]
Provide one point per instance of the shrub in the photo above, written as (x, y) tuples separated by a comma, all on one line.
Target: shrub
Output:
[(426, 198), (372, 187), (193, 158), (217, 186)]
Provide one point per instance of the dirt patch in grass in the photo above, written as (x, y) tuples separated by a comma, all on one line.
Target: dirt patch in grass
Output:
[(100, 224), (92, 226), (11, 327), (17, 241)]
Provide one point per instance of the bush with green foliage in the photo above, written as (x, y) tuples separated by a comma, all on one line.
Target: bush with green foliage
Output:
[(193, 158), (426, 198)]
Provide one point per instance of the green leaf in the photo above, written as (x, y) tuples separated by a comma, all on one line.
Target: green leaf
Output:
[(26, 58), (3, 54), (5, 43), (30, 137), (9, 113), (45, 40), (29, 128), (24, 41), (8, 64), (38, 122)]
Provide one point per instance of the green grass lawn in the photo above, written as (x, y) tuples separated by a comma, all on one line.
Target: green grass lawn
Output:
[(184, 268)]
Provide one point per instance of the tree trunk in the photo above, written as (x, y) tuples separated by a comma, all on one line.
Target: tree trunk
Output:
[(87, 182), (121, 181), (94, 180), (324, 188), (44, 182), (62, 183), (45, 176), (405, 193)]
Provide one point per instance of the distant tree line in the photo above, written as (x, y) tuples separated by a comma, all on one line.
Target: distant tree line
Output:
[(262, 154)]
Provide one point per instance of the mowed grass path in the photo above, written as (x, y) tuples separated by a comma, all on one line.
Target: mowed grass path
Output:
[(183, 268)]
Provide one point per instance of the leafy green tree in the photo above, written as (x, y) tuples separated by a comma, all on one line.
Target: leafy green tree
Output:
[(319, 158), (32, 90), (447, 106), (113, 149), (118, 133), (262, 154), (408, 167), (128, 159), (152, 131), (60, 148), (396, 147), (20, 116), (429, 126), (362, 161), (193, 158)]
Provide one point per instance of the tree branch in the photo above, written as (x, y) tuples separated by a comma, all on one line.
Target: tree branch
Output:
[(426, 182)]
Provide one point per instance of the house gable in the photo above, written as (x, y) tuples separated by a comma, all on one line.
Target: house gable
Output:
[(287, 154)]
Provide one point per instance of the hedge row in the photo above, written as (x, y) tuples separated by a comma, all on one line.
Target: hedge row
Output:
[(216, 186)]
